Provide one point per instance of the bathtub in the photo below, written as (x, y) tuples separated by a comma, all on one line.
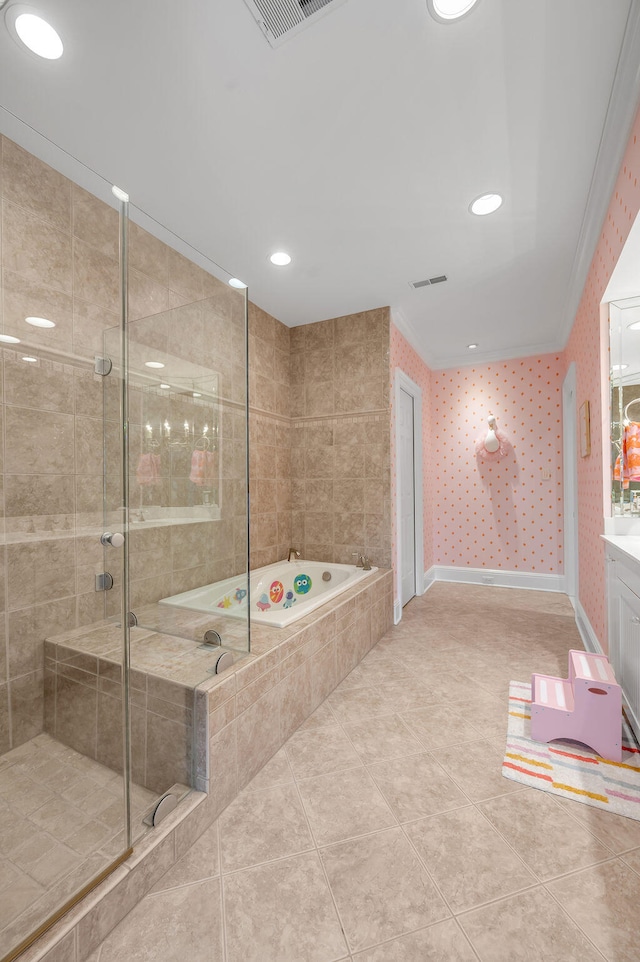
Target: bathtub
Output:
[(279, 594)]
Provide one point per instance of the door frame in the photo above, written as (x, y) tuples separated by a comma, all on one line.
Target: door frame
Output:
[(403, 382), (570, 481)]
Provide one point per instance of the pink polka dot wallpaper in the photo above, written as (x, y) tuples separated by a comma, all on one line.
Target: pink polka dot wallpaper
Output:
[(506, 513), (584, 347)]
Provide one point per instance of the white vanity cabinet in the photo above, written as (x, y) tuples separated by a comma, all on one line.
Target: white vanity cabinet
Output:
[(623, 592)]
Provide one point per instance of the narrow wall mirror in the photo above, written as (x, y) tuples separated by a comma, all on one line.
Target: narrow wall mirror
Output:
[(624, 334)]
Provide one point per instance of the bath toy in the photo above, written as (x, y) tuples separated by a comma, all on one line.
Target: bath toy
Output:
[(225, 603), (263, 604), (241, 594), (276, 591), (289, 600), (301, 584)]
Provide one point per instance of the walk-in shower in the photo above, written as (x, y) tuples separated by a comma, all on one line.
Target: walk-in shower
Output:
[(124, 481)]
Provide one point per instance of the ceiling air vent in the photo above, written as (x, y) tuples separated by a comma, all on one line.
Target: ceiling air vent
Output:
[(280, 19), (427, 283)]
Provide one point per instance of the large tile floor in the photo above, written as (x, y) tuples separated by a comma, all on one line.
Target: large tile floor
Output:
[(384, 831)]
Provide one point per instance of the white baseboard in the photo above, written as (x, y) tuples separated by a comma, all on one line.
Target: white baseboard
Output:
[(397, 612), (429, 578), (588, 635), (492, 576)]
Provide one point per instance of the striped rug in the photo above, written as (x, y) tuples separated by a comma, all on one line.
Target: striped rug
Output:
[(569, 768)]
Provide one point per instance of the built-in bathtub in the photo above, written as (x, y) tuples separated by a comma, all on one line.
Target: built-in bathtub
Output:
[(278, 595)]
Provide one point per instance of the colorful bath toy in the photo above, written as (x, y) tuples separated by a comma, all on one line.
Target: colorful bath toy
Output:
[(241, 594), (263, 603), (276, 592), (225, 603), (289, 600), (301, 584)]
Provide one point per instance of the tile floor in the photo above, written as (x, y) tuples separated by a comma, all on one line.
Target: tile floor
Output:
[(61, 823), (384, 831)]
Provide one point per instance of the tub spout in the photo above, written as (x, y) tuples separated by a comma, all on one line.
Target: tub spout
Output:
[(293, 554)]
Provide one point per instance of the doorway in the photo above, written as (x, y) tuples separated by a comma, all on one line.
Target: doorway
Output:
[(409, 507)]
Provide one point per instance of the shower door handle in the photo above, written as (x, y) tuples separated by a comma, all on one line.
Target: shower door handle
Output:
[(114, 539)]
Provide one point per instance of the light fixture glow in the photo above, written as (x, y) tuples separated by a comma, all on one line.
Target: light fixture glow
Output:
[(485, 204), (120, 194), (619, 367), (280, 259), (165, 387), (234, 282), (39, 36), (30, 360), (9, 339), (472, 347), (444, 11), (195, 394), (154, 364), (40, 322)]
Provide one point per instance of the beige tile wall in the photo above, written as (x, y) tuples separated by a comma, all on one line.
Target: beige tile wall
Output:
[(320, 442), (269, 437), (59, 260), (340, 438)]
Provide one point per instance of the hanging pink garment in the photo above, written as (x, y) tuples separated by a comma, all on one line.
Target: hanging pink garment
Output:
[(630, 456)]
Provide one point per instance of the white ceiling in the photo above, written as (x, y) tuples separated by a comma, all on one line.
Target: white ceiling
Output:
[(357, 146)]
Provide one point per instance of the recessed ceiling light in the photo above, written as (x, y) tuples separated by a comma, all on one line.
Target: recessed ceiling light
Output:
[(154, 364), (30, 360), (38, 35), (619, 367), (234, 282), (280, 259), (472, 347), (485, 204), (165, 387), (9, 339), (447, 10), (40, 322)]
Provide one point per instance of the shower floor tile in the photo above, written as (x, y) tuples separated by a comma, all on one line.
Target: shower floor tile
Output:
[(61, 819)]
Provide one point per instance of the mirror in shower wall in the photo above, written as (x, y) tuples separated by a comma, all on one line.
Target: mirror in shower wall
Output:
[(624, 331), (96, 710)]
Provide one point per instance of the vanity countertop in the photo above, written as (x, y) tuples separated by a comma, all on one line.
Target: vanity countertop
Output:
[(629, 544)]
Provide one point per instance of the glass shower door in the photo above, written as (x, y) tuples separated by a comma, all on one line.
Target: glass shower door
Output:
[(185, 521)]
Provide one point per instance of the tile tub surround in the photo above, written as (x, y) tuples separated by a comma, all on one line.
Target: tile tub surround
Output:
[(247, 714)]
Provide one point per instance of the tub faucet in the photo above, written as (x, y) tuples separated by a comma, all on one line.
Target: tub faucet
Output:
[(293, 554), (361, 561)]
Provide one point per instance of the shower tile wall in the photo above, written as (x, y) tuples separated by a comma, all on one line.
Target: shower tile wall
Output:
[(340, 438), (270, 437), (59, 260)]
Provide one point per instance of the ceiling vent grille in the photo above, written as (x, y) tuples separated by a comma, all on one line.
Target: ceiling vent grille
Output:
[(427, 283), (280, 19)]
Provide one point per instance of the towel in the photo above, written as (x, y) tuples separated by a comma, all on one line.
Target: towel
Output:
[(203, 468), (148, 470)]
